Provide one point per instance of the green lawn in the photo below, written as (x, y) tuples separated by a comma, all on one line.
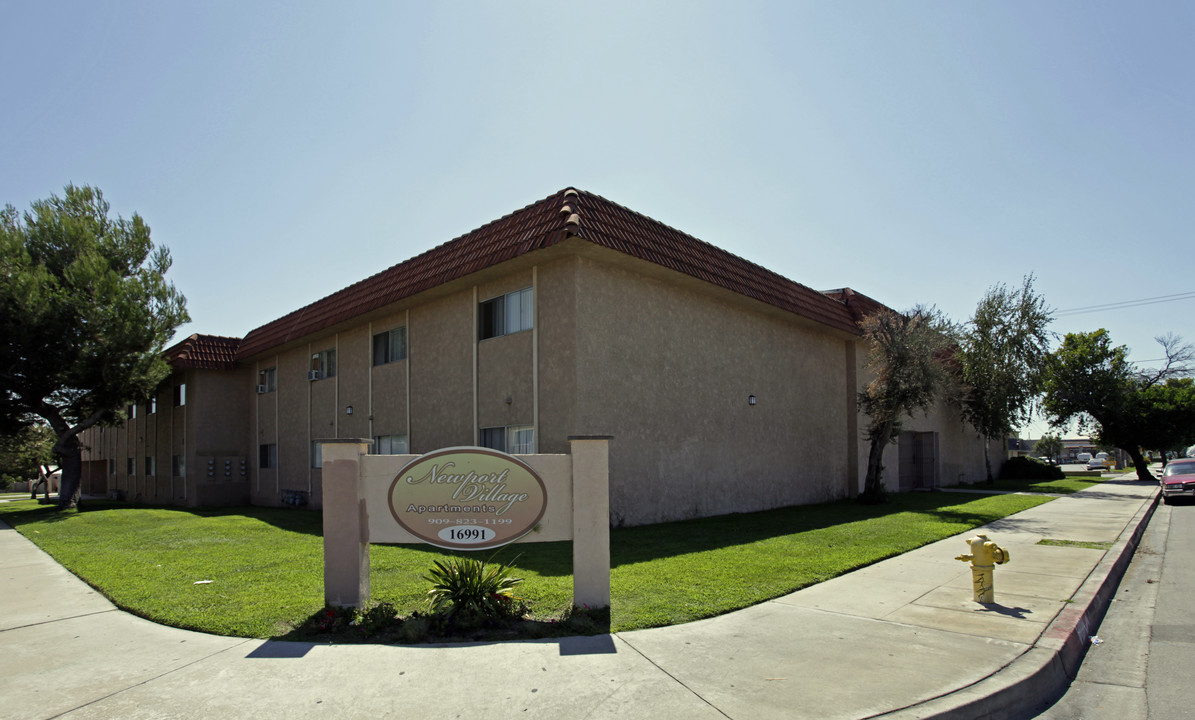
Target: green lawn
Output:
[(265, 565)]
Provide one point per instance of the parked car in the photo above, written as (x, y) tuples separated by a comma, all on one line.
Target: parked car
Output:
[(1178, 480), (1097, 464)]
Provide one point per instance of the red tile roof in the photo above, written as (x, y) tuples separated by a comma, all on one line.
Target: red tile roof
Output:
[(567, 213), (857, 304), (204, 352)]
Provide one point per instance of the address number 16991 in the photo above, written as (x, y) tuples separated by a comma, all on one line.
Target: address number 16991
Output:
[(467, 534)]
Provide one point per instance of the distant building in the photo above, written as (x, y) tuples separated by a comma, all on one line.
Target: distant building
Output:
[(726, 387), (1072, 448)]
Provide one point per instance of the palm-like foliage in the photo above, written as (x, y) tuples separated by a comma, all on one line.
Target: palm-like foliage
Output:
[(472, 588)]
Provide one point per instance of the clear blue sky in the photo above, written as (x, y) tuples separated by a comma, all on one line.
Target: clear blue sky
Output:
[(919, 152)]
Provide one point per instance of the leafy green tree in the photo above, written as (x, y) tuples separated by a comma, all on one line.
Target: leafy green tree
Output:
[(907, 369), (23, 452), (1090, 380), (1001, 355), (1049, 446), (1168, 412), (85, 311)]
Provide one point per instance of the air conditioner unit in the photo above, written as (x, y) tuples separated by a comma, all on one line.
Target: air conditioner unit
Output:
[(315, 375), (261, 389)]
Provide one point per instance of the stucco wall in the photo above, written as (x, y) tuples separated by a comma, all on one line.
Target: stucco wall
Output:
[(440, 346), (667, 370)]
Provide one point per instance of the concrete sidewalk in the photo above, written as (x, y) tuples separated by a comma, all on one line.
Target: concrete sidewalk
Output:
[(899, 639)]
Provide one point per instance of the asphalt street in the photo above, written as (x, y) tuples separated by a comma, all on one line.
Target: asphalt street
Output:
[(1138, 667)]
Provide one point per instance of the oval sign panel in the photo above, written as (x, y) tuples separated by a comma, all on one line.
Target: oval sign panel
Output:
[(467, 498)]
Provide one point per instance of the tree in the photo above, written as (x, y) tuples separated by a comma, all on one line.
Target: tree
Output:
[(1049, 446), (23, 452), (906, 364), (85, 311), (1168, 412), (1001, 355), (1091, 380)]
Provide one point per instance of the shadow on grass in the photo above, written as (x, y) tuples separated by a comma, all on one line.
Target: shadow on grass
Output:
[(306, 522), (627, 545), (650, 542)]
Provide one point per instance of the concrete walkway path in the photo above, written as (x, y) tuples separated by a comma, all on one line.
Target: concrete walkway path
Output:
[(899, 639)]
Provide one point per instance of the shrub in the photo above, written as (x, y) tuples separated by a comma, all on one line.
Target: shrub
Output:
[(414, 629), (467, 589), (377, 618), (1029, 468)]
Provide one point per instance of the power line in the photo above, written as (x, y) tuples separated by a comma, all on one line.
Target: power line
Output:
[(1126, 304)]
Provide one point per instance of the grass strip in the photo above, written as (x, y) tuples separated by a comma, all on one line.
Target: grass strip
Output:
[(1087, 544), (266, 564), (1070, 484)]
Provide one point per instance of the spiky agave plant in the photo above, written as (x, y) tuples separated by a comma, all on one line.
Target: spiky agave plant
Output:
[(468, 587)]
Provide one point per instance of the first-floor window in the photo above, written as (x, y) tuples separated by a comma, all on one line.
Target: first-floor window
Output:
[(151, 465), (131, 466), (267, 456), (180, 394), (391, 445), (513, 439), (317, 455), (112, 466), (178, 465)]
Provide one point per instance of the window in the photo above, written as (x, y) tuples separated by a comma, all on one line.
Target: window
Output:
[(390, 346), (267, 380), (151, 466), (178, 465), (507, 314), (267, 456), (131, 466), (180, 394), (317, 455), (132, 411), (152, 405), (513, 439), (112, 467), (323, 365), (391, 445)]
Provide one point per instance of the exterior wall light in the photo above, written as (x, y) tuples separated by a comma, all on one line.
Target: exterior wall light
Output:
[(750, 399), (348, 410)]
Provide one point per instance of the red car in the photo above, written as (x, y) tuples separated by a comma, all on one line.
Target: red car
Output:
[(1179, 479)]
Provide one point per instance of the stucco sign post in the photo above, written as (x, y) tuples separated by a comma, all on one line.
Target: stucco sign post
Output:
[(467, 498)]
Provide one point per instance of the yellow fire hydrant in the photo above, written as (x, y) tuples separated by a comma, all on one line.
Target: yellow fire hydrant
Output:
[(984, 555)]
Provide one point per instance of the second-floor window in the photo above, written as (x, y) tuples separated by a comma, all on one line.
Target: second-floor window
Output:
[(390, 346), (506, 314), (323, 364)]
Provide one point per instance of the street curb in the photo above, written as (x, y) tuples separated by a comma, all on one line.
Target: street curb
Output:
[(1042, 674)]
